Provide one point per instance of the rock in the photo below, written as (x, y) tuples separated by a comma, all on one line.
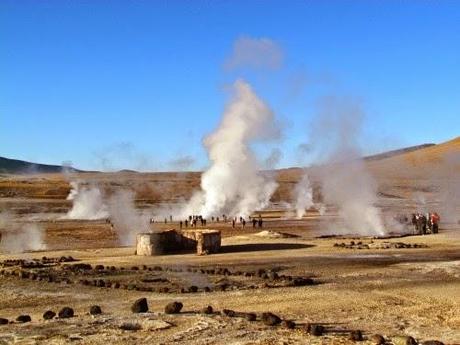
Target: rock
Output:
[(377, 339), (250, 317), (140, 306), (270, 319), (3, 321), (356, 335), (193, 288), (316, 330), (289, 324), (23, 318), (207, 310), (128, 326), (229, 312), (432, 342), (95, 310), (66, 313), (404, 340), (48, 315), (173, 308), (302, 281)]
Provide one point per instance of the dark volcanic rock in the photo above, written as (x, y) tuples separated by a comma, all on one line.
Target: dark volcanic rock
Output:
[(193, 288), (127, 326), (173, 308), (229, 312), (66, 313), (3, 321), (48, 315), (289, 324), (95, 310), (250, 317), (23, 318), (207, 310), (270, 319), (140, 306), (356, 335), (316, 330)]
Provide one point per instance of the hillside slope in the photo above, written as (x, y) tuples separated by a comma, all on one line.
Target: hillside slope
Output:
[(15, 166)]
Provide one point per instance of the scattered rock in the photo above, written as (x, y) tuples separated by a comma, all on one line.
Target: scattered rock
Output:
[(128, 326), (95, 310), (377, 339), (173, 308), (3, 321), (48, 315), (140, 306), (316, 330), (250, 317), (356, 335), (193, 288), (23, 318), (289, 324), (66, 313), (270, 319), (229, 312), (207, 310)]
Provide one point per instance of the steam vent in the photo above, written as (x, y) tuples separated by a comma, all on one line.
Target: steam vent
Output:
[(204, 241)]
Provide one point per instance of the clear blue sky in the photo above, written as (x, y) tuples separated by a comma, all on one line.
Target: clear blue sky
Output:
[(144, 81)]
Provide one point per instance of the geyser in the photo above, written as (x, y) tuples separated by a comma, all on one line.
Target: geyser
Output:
[(233, 183)]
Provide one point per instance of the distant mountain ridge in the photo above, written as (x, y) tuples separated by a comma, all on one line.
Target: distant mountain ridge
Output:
[(16, 166), (397, 152)]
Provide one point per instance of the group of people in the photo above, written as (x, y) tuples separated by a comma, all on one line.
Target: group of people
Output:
[(195, 220), (425, 223)]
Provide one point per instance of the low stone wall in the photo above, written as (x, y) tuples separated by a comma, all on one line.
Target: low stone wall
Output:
[(204, 241)]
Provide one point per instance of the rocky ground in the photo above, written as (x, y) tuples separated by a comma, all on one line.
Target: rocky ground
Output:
[(394, 287)]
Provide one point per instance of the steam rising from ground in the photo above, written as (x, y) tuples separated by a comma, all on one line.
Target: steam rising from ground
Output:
[(233, 183), (87, 202), (90, 203), (127, 221), (17, 237), (303, 196), (344, 178)]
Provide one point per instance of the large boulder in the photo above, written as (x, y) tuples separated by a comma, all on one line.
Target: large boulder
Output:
[(140, 306), (270, 319), (3, 321), (173, 308)]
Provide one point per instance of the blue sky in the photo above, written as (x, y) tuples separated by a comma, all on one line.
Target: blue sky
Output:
[(137, 84)]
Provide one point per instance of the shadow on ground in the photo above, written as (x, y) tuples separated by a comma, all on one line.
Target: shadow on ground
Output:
[(255, 247)]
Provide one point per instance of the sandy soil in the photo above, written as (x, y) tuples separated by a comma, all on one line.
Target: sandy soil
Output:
[(406, 291)]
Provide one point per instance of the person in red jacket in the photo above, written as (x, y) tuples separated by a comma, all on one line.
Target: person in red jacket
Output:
[(434, 220)]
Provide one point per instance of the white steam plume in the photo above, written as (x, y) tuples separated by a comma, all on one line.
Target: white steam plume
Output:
[(88, 202), (127, 221), (345, 180), (303, 196), (18, 238), (233, 183)]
